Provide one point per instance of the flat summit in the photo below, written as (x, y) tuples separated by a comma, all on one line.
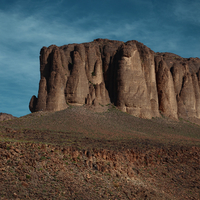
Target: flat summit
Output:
[(127, 74)]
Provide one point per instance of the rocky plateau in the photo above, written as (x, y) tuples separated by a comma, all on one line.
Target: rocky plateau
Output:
[(127, 74)]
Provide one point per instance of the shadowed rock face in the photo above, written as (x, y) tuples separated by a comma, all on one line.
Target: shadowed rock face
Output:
[(129, 75)]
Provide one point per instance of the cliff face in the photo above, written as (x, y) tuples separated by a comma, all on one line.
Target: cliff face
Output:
[(129, 75)]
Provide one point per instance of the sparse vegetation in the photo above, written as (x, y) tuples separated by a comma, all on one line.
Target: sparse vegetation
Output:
[(110, 155), (92, 83)]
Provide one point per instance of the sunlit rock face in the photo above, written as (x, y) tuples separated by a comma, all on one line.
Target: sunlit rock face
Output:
[(178, 82), (129, 75)]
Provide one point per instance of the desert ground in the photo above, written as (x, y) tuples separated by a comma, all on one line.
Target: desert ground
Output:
[(77, 153)]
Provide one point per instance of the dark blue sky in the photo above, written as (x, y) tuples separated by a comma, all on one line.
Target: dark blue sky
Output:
[(26, 26)]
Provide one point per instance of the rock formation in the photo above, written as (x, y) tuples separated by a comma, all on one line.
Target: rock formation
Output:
[(5, 116), (129, 75)]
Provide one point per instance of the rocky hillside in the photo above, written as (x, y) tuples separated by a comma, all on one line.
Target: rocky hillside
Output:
[(129, 75), (109, 155), (40, 171)]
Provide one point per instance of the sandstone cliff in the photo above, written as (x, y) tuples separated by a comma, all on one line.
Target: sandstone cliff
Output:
[(129, 75)]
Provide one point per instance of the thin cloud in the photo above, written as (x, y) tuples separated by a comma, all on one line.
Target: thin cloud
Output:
[(188, 11)]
